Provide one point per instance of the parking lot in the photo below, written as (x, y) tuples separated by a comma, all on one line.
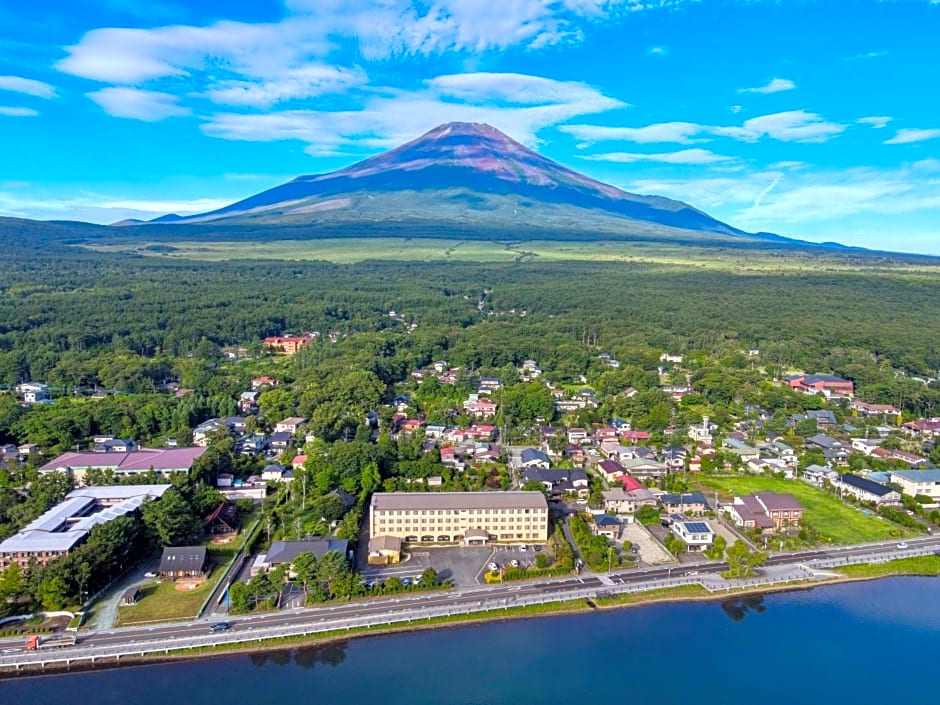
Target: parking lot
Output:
[(460, 564), (464, 565), (650, 551)]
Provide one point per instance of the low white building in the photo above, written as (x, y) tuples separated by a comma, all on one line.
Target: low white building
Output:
[(919, 482), (697, 534)]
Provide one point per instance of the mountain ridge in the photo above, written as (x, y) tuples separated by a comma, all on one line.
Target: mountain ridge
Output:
[(458, 165)]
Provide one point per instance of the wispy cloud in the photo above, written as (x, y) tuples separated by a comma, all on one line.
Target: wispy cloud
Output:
[(790, 126), (909, 135), (518, 104), (776, 85), (676, 132), (767, 200), (23, 201), (27, 86), (683, 156), (9, 111), (311, 29), (657, 51), (138, 104), (871, 54), (300, 83), (876, 121)]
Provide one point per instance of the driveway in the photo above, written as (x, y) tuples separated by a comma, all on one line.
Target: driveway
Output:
[(105, 608)]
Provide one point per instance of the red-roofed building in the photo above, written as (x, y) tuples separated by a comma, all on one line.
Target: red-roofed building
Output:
[(828, 385), (629, 435), (263, 381), (923, 427), (162, 460), (630, 483)]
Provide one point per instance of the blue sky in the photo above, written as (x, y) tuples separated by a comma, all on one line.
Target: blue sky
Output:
[(812, 119)]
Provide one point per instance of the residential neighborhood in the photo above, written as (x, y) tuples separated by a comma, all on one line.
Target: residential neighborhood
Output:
[(450, 462)]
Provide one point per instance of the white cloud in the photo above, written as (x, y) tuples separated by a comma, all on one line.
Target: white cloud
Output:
[(776, 85), (28, 86), (516, 104), (304, 82), (791, 126), (770, 200), (17, 112), (683, 156), (98, 208), (736, 109), (872, 54), (876, 121), (132, 56), (137, 104), (677, 132), (657, 51), (909, 135)]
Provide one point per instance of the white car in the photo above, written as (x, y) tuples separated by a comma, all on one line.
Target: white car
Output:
[(523, 548), (150, 574), (493, 566), (514, 563), (902, 545)]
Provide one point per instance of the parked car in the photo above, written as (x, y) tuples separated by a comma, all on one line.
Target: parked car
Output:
[(523, 548), (514, 563), (493, 566)]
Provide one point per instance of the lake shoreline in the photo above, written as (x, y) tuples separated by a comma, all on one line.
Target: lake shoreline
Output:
[(552, 609)]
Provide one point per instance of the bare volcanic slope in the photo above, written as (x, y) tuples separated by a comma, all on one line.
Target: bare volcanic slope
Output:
[(463, 173)]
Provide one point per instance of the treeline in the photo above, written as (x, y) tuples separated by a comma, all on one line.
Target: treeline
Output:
[(79, 320)]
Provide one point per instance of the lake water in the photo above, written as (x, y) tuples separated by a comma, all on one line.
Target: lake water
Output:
[(860, 643)]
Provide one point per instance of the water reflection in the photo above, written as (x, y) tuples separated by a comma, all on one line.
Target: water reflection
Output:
[(738, 608), (332, 655)]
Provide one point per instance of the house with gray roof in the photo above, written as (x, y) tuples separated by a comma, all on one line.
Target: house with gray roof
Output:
[(184, 562)]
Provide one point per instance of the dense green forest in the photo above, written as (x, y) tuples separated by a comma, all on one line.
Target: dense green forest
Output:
[(79, 320)]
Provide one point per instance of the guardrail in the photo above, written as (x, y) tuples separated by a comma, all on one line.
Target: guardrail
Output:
[(92, 654)]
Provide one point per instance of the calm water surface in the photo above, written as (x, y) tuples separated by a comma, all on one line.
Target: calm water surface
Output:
[(857, 643)]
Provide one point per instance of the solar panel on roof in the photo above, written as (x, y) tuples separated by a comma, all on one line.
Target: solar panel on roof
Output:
[(698, 527)]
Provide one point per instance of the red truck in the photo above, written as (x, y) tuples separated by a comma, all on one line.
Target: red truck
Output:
[(49, 641)]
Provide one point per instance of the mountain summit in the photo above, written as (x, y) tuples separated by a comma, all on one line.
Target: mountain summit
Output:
[(464, 173)]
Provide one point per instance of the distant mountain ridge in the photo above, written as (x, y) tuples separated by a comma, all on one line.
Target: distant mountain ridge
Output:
[(464, 173)]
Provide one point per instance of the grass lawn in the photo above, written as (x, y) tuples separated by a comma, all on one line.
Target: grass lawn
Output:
[(918, 565), (832, 520), (667, 254), (162, 601)]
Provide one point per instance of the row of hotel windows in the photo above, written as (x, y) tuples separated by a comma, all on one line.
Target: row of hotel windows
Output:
[(446, 538), (424, 512), (447, 522)]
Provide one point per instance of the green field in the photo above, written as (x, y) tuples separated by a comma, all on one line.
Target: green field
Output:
[(351, 250), (832, 520), (161, 601), (918, 565)]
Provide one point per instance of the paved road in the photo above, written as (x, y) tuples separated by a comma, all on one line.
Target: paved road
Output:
[(483, 597)]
